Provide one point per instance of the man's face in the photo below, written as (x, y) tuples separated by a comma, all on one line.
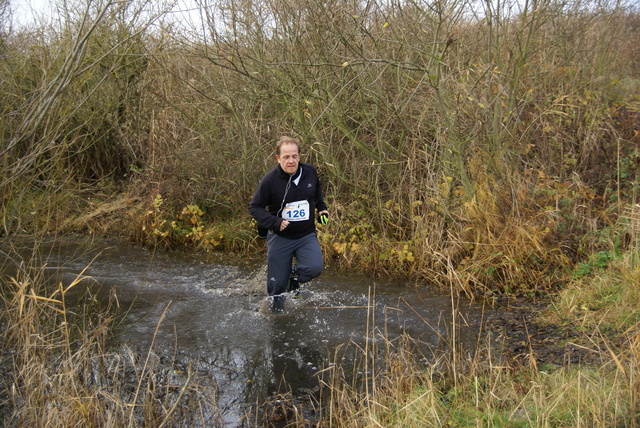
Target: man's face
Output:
[(288, 158)]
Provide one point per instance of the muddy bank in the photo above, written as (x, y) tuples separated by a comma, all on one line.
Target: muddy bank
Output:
[(522, 335)]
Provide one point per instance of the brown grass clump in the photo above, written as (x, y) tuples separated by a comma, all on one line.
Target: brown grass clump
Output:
[(400, 388), (59, 371)]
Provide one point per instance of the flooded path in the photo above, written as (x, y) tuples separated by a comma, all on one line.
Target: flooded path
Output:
[(212, 311)]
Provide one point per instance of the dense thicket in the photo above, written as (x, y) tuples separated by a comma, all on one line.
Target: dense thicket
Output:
[(485, 145)]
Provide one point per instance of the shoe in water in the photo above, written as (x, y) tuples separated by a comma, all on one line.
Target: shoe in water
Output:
[(276, 304)]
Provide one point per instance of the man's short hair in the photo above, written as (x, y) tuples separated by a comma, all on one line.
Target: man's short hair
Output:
[(287, 140)]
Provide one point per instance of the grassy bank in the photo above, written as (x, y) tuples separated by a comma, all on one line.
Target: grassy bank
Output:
[(487, 389)]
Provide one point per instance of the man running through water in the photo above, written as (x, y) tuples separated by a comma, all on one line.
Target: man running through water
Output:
[(285, 203)]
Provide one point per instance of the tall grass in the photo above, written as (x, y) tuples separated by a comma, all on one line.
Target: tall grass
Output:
[(479, 387), (60, 370)]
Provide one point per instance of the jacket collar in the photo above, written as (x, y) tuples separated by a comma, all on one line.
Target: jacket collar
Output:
[(296, 175)]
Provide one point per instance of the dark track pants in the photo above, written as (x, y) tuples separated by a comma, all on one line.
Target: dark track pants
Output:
[(280, 253)]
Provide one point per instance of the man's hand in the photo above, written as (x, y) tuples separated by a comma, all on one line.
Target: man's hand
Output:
[(283, 225), (323, 217)]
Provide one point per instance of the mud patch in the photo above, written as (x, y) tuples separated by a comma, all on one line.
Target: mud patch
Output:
[(522, 336)]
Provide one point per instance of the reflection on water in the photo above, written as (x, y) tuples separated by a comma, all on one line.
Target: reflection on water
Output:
[(212, 314)]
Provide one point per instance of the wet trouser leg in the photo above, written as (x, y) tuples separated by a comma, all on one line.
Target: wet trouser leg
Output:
[(308, 258), (280, 253)]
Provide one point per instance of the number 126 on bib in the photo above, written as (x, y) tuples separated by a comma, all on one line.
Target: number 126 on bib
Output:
[(296, 211)]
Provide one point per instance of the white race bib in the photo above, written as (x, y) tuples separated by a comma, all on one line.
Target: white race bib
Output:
[(296, 211)]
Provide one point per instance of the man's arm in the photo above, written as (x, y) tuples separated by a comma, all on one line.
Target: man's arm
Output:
[(258, 208), (321, 206)]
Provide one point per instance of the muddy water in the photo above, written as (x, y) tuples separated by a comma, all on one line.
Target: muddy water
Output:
[(212, 311)]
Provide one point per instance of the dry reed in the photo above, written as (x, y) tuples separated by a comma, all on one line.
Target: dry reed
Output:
[(60, 370)]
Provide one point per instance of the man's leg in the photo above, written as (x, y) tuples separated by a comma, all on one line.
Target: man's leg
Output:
[(309, 258), (279, 255)]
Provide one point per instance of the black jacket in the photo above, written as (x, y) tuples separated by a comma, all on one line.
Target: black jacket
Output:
[(277, 189)]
